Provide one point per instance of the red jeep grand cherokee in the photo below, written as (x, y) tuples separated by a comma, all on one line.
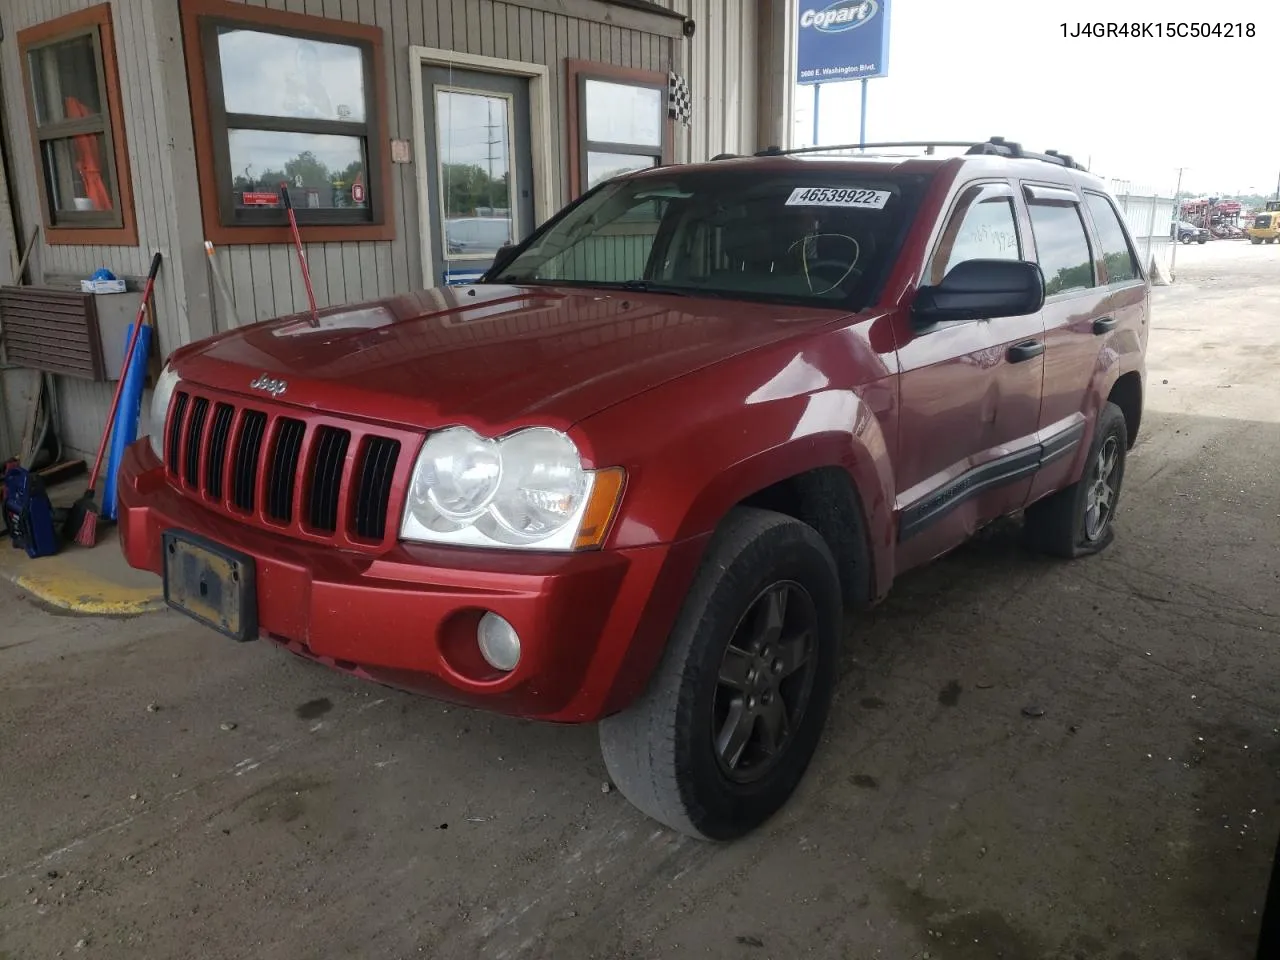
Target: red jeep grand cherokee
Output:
[(635, 475)]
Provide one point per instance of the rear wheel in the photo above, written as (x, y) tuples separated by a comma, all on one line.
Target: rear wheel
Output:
[(1255, 240), (1076, 521), (734, 711)]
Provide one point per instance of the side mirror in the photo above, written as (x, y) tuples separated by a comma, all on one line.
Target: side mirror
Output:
[(981, 290)]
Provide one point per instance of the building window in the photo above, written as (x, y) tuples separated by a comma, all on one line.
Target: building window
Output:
[(618, 122), (282, 100), (77, 128)]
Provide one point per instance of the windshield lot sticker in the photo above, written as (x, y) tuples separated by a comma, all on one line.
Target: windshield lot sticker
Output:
[(838, 197)]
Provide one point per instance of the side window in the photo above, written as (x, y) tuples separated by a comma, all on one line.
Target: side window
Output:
[(1116, 251), (1062, 245), (978, 230)]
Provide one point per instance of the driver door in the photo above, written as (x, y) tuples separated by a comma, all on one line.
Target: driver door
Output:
[(969, 392)]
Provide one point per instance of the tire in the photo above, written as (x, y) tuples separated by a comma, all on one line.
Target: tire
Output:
[(1255, 240), (1202, 240), (662, 750), (1064, 524), (1186, 238)]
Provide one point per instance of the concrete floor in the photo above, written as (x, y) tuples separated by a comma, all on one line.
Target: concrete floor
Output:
[(164, 793)]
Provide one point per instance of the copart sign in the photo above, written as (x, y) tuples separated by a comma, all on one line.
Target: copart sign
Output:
[(844, 40)]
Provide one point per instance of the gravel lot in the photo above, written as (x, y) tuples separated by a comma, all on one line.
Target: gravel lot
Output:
[(166, 794)]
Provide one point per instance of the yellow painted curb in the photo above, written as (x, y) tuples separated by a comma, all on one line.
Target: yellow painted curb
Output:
[(63, 586)]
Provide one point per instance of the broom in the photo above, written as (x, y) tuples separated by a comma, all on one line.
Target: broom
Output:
[(83, 517)]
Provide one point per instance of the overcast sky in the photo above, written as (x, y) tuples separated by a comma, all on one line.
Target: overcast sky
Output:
[(1136, 109)]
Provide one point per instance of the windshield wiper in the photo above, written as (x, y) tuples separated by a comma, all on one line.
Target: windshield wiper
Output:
[(634, 286), (648, 286)]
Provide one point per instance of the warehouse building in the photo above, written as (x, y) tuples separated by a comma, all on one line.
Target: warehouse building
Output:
[(413, 136)]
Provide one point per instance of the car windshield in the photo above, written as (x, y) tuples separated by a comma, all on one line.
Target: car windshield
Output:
[(804, 237)]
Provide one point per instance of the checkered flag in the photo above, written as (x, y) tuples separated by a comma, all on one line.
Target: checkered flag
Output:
[(679, 100)]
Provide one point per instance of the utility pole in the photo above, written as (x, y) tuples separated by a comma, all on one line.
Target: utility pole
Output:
[(492, 142), (862, 126), (1173, 231), (817, 90)]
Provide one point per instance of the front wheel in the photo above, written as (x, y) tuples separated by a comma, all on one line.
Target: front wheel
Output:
[(733, 713), (1076, 521), (1254, 240)]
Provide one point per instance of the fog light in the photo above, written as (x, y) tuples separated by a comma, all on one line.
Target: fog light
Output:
[(499, 642)]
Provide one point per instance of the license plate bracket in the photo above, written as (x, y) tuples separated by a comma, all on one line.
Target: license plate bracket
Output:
[(211, 584)]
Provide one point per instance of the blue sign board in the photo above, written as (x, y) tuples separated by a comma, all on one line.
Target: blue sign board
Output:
[(844, 40)]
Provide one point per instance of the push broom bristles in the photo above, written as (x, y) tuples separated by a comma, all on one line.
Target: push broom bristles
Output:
[(87, 533)]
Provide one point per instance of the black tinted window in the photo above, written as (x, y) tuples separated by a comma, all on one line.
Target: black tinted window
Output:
[(1116, 253), (1062, 247)]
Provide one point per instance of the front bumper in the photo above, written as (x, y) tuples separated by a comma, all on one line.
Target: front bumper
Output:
[(592, 625)]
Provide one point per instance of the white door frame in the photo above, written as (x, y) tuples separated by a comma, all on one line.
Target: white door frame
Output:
[(540, 133)]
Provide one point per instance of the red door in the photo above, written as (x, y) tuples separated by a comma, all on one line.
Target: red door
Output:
[(969, 394), (1074, 301)]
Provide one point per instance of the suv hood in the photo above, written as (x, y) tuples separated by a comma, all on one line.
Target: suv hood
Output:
[(491, 357)]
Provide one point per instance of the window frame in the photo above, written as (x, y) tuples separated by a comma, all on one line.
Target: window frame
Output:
[(514, 182), (118, 228), (579, 72), (223, 222)]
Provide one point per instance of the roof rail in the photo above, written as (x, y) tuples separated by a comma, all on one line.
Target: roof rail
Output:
[(992, 146), (929, 145)]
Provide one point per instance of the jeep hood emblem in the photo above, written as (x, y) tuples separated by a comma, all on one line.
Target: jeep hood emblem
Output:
[(268, 385)]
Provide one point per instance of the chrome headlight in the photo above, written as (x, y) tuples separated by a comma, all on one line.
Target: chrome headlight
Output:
[(528, 489), (160, 397)]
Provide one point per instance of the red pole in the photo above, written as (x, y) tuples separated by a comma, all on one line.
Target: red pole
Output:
[(302, 257)]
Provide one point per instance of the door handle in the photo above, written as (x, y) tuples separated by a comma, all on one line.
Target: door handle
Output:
[(1104, 325), (1025, 350)]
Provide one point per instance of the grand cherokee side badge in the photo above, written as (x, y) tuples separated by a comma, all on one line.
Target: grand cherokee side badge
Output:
[(268, 385)]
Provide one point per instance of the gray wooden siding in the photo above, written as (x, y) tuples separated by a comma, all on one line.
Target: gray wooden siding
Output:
[(720, 63), (143, 101)]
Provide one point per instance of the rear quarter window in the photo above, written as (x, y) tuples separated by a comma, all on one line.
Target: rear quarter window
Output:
[(1117, 254)]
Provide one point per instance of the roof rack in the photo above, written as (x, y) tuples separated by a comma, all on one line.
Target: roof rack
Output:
[(992, 146)]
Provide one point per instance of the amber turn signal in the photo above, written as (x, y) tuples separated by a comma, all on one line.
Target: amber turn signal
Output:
[(606, 493)]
